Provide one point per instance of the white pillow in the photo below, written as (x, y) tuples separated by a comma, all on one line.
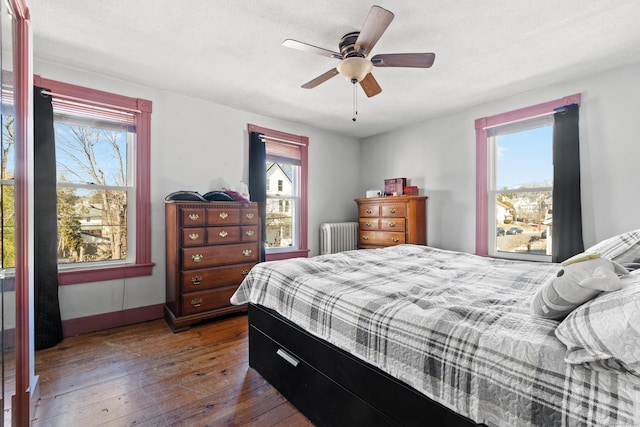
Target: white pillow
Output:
[(606, 330), (622, 248)]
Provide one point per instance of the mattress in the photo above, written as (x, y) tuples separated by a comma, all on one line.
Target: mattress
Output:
[(454, 326)]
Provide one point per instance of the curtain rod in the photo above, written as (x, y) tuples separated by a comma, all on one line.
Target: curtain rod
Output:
[(86, 101), (272, 138)]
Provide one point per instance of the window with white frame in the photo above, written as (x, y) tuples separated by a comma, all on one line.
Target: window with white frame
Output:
[(520, 188), (282, 206), (102, 167)]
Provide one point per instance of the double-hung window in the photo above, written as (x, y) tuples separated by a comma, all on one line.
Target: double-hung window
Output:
[(286, 194), (514, 182), (102, 167)]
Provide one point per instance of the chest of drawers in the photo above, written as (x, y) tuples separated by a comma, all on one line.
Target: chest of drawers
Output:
[(211, 246), (388, 221)]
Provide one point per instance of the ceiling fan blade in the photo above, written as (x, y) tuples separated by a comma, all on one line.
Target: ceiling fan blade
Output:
[(320, 79), (417, 60), (306, 47), (370, 85), (376, 23)]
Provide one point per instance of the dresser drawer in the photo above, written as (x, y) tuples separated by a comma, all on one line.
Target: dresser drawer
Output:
[(381, 238), (192, 217), (193, 236), (196, 302), (397, 210), (369, 223), (223, 216), (216, 277), (395, 224), (213, 256), (369, 210), (249, 234), (250, 216), (222, 235)]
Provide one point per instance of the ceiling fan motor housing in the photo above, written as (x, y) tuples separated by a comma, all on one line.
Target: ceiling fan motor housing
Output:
[(347, 45)]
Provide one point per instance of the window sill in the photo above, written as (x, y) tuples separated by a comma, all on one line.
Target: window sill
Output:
[(73, 277), (296, 253)]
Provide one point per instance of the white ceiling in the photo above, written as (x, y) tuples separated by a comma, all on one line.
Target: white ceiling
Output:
[(230, 52)]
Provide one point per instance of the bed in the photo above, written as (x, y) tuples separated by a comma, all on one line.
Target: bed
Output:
[(414, 335)]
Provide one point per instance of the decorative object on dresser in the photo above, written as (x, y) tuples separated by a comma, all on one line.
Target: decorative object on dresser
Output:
[(388, 221), (211, 247), (394, 186)]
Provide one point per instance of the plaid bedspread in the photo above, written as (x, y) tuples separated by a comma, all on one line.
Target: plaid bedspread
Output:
[(454, 326)]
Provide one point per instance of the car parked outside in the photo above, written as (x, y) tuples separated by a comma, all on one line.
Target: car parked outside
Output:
[(514, 230), (543, 235), (499, 231)]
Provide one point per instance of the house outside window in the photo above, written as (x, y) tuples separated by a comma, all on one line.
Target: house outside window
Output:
[(102, 168)]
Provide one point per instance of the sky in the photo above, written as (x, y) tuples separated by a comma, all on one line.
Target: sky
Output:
[(525, 157)]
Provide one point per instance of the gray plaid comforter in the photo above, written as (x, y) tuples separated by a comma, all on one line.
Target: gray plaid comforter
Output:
[(454, 326)]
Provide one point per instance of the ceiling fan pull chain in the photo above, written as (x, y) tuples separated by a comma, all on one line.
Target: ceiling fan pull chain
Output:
[(355, 102)]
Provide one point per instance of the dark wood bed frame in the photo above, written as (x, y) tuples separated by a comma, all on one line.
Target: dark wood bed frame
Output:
[(332, 387)]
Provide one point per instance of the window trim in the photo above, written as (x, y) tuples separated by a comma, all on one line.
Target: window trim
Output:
[(482, 158), (303, 249), (143, 265)]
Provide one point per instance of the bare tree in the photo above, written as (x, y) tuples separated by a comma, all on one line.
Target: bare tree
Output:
[(81, 145)]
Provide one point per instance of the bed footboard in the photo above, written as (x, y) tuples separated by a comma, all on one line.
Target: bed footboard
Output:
[(332, 387)]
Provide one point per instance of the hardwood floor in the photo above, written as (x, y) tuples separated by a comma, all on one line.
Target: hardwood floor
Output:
[(145, 375)]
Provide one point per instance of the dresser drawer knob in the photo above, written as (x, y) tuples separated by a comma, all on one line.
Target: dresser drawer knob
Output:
[(365, 237), (223, 233), (368, 224), (249, 233), (194, 236), (194, 217), (247, 252), (392, 210), (224, 215), (395, 239), (245, 272), (196, 257), (196, 302), (392, 224), (196, 280), (369, 211), (249, 215)]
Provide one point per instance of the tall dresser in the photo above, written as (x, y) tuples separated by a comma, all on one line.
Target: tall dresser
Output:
[(211, 246), (388, 221)]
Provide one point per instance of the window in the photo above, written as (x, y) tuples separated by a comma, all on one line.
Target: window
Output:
[(514, 182), (286, 198), (520, 188), (102, 165), (7, 183)]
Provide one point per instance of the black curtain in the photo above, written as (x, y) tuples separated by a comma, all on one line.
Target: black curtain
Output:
[(48, 323), (258, 180), (567, 206)]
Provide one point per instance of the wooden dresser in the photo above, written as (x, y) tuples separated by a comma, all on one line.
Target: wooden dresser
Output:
[(388, 221), (211, 246)]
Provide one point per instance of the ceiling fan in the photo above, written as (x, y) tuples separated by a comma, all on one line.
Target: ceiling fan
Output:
[(354, 48)]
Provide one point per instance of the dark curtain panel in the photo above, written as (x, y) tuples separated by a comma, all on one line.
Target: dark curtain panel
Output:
[(567, 208), (258, 180), (48, 323)]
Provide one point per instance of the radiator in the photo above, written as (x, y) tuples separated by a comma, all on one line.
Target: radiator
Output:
[(338, 237)]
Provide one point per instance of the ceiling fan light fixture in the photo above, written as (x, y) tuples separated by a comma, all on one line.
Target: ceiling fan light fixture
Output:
[(355, 68)]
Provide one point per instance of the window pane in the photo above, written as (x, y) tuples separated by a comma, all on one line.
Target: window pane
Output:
[(87, 154), (523, 222), (280, 223), (281, 220), (8, 226), (525, 158), (92, 225)]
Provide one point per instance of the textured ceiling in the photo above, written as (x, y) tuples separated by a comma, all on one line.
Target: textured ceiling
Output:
[(230, 52)]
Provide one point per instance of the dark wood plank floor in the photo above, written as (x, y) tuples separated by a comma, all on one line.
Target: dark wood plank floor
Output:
[(145, 375)]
